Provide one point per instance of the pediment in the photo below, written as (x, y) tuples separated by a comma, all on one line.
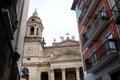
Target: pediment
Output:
[(67, 43), (66, 56)]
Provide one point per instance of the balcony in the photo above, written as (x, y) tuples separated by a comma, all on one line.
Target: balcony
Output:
[(87, 10), (105, 53), (116, 11), (96, 28)]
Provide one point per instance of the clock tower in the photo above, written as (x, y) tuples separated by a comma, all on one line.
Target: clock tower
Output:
[(33, 47)]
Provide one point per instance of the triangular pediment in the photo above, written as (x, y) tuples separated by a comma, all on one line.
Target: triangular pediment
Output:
[(67, 43), (66, 56)]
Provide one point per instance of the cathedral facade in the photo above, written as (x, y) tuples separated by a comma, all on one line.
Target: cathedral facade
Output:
[(61, 61)]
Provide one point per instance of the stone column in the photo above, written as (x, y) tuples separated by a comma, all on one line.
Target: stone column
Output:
[(52, 77), (39, 76), (49, 75), (23, 79), (77, 73), (63, 74)]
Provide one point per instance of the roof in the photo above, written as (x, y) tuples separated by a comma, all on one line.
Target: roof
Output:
[(64, 43), (74, 4)]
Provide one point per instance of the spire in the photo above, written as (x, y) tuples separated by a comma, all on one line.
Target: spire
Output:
[(35, 13)]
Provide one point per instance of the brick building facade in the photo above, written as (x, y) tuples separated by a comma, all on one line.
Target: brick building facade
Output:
[(98, 24)]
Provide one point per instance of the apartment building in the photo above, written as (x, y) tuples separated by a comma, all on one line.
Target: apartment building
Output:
[(99, 32)]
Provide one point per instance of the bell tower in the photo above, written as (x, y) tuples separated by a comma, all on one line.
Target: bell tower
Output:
[(33, 45), (34, 26)]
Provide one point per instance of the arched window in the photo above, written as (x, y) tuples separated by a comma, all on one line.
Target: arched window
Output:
[(32, 30), (32, 19)]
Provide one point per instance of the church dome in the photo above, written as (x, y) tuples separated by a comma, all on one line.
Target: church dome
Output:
[(35, 18)]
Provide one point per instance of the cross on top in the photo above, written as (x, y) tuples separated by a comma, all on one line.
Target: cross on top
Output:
[(67, 34), (35, 9)]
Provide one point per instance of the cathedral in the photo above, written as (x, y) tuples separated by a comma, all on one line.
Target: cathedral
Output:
[(61, 61)]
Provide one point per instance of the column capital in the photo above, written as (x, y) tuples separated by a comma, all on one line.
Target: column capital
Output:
[(51, 69), (77, 73), (77, 68), (63, 69)]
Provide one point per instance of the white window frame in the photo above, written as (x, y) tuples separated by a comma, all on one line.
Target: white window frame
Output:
[(110, 36)]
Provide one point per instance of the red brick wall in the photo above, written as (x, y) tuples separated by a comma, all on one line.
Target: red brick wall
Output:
[(100, 40)]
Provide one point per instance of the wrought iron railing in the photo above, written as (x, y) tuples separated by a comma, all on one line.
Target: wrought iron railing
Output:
[(95, 26), (116, 11), (101, 52), (87, 4)]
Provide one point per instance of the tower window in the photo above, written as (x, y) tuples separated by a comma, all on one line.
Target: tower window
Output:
[(32, 31), (28, 58), (32, 19)]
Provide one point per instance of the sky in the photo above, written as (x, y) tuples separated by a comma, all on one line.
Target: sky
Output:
[(57, 19)]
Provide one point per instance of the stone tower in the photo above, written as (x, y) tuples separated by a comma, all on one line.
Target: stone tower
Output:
[(33, 47)]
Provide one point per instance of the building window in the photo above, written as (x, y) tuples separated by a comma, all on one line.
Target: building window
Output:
[(32, 19), (87, 35), (28, 58), (102, 14), (115, 7), (88, 63), (44, 76), (89, 31), (32, 30), (110, 44), (118, 27), (118, 4), (93, 57), (85, 39)]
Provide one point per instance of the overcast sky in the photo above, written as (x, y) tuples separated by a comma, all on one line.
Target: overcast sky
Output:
[(57, 18)]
